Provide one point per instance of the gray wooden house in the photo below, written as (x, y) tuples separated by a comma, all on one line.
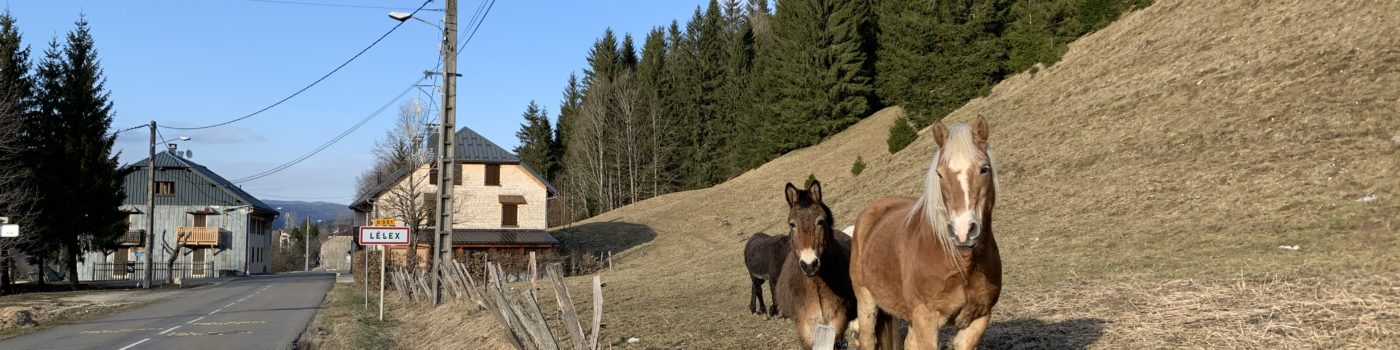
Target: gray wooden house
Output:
[(225, 230)]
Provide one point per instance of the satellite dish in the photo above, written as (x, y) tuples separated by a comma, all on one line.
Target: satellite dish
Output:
[(189, 154)]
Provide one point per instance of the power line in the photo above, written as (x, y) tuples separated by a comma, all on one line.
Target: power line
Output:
[(478, 26), (334, 5), (313, 83), (333, 141), (114, 133), (277, 197)]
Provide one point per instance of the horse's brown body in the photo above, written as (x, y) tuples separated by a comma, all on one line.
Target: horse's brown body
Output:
[(903, 270), (815, 290), (908, 262)]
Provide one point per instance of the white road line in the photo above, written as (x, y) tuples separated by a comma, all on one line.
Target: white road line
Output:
[(195, 320), (168, 330), (230, 304), (135, 344), (216, 311)]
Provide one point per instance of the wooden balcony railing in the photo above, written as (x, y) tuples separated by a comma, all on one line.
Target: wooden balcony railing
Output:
[(198, 236)]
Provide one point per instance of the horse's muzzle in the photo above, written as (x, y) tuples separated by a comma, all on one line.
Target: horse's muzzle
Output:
[(810, 269), (973, 233)]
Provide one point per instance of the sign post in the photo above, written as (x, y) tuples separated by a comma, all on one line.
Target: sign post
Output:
[(382, 236)]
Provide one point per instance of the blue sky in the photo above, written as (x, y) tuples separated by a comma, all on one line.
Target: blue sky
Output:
[(187, 63)]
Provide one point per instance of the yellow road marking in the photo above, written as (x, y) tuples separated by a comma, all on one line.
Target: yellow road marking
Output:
[(229, 323), (114, 331), (191, 334)]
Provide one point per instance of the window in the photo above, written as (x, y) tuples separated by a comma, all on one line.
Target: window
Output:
[(493, 174), (165, 189), (508, 214), (199, 220)]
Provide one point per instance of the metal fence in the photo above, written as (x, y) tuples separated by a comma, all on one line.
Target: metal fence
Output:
[(105, 271)]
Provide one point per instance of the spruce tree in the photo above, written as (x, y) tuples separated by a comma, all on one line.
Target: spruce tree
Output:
[(82, 182), (603, 59), (819, 77), (715, 122), (937, 55), (536, 147)]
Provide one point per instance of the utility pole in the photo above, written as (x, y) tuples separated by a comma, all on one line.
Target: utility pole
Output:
[(150, 213), (447, 148), (306, 242)]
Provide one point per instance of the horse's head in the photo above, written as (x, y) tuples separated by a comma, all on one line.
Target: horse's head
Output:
[(810, 224), (961, 177)]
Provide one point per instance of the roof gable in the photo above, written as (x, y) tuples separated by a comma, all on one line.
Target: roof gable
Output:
[(166, 160)]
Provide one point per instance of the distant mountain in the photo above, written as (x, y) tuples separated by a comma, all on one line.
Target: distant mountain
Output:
[(315, 210)]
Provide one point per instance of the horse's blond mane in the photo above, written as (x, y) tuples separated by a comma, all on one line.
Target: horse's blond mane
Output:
[(959, 145)]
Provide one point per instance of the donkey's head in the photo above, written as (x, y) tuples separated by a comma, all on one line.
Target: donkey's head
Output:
[(961, 177), (810, 223)]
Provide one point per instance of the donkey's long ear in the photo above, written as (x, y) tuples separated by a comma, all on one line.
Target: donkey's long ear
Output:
[(940, 133), (980, 130), (791, 193), (815, 190)]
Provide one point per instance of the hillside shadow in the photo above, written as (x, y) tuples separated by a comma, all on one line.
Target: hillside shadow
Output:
[(610, 236), (1023, 334)]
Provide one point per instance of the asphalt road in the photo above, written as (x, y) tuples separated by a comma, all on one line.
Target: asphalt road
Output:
[(256, 312)]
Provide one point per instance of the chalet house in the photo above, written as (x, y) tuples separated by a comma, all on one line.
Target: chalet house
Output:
[(226, 230), (501, 204)]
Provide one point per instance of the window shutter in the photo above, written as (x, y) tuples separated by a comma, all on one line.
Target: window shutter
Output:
[(457, 180), (493, 175), (508, 215)]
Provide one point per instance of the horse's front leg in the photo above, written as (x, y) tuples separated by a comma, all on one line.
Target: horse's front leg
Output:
[(968, 337), (923, 329)]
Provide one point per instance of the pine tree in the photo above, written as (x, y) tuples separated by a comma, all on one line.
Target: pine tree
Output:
[(937, 55), (16, 101), (819, 77), (653, 86), (603, 59), (714, 123), (83, 184), (627, 54), (536, 147)]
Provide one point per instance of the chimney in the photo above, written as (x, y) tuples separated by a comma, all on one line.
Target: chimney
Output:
[(171, 147)]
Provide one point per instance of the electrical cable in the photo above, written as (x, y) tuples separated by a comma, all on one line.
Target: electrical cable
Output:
[(313, 83), (333, 141)]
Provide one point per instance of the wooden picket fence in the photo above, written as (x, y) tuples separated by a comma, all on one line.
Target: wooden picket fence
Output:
[(517, 311)]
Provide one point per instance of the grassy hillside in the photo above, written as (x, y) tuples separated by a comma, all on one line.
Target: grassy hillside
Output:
[(1149, 180)]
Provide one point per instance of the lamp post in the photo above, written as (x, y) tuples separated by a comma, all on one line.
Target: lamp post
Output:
[(151, 208), (447, 150), (306, 241)]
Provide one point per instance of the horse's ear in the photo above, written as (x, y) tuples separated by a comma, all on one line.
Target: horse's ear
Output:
[(940, 133), (815, 191), (791, 193), (980, 130)]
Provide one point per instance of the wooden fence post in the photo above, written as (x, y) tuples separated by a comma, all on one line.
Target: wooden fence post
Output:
[(567, 314)]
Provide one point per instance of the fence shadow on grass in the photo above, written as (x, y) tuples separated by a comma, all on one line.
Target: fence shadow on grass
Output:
[(613, 236), (1027, 333)]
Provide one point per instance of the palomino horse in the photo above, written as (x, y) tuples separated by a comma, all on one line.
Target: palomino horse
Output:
[(815, 285), (932, 260), (764, 255)]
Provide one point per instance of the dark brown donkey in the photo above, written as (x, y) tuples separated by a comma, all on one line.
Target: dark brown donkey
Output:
[(764, 255), (815, 286), (932, 260)]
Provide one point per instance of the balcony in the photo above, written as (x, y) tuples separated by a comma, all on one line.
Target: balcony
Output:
[(198, 236), (133, 238)]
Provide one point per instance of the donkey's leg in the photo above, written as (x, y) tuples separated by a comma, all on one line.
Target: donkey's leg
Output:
[(968, 338), (773, 292), (923, 329), (756, 294), (866, 310), (802, 318)]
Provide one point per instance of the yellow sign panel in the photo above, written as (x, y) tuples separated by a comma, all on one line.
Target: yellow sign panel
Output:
[(384, 222)]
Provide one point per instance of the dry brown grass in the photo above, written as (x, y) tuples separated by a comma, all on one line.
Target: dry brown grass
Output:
[(1148, 181)]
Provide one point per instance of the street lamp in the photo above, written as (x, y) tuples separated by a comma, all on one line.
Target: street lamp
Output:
[(447, 148), (151, 208), (306, 241)]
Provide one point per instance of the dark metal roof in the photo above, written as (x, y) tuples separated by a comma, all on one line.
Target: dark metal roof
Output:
[(474, 148), (503, 236), (192, 187)]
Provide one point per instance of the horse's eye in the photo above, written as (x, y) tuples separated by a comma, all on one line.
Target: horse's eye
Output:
[(986, 168), (821, 222), (792, 224)]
